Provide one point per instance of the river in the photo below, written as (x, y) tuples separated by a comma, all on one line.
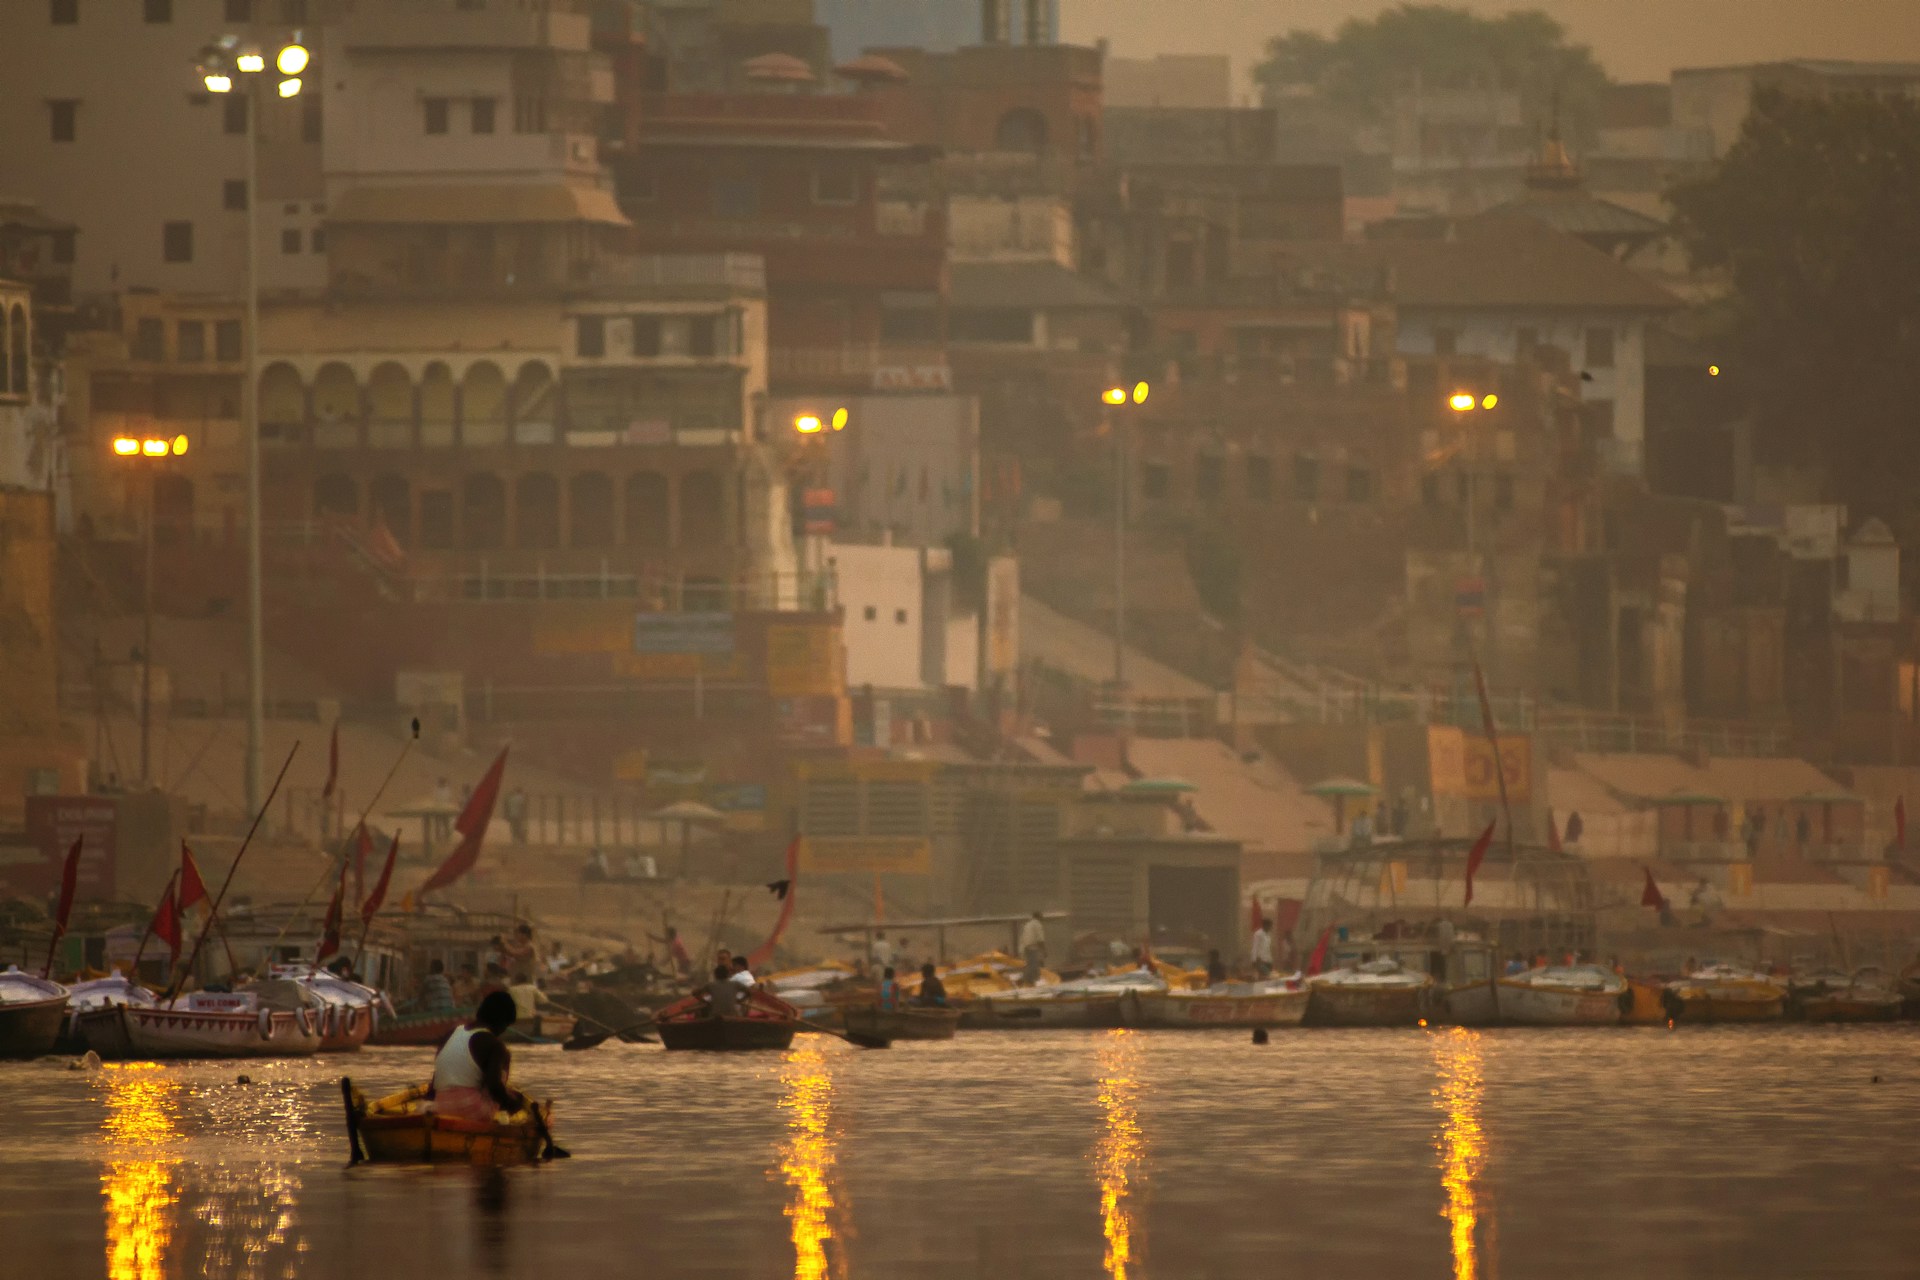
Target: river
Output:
[(1696, 1152)]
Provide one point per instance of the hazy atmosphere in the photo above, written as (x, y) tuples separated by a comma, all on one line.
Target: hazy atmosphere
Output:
[(959, 638)]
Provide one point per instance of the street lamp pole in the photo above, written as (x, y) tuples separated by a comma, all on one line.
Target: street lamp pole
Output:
[(1115, 398), (250, 430), (146, 639)]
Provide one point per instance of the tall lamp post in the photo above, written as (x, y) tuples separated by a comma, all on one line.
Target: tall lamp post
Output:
[(150, 451), (229, 65), (1118, 397)]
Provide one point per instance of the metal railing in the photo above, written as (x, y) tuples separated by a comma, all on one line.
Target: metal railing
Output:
[(1596, 731)]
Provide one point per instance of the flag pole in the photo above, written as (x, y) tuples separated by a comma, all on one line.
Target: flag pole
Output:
[(366, 917), (213, 911), (141, 950), (69, 882)]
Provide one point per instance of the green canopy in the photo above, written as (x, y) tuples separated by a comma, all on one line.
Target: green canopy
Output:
[(1157, 787), (1341, 787)]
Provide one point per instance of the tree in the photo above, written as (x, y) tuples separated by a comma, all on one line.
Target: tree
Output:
[(1371, 62), (1815, 214)]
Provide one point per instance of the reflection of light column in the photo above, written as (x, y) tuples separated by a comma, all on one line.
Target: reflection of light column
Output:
[(1461, 1142), (807, 1161), (250, 1219), (1121, 1149), (138, 1185)]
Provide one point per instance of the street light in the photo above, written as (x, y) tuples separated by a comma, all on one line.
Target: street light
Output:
[(227, 66), (142, 448)]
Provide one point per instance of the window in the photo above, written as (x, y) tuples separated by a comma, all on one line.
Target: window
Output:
[(871, 614), (1207, 472), (149, 339), (704, 341), (1155, 481), (176, 242), (233, 194), (436, 109), (646, 336), (159, 10), (317, 240), (226, 340), (233, 112), (63, 113), (239, 10), (529, 115), (290, 240), (1445, 342), (1599, 348), (63, 247), (900, 616), (482, 115), (835, 186), (1359, 484), (1306, 477), (64, 13), (191, 341), (590, 337), (736, 198), (1259, 478)]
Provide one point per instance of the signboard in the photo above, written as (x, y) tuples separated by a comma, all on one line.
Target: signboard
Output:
[(802, 661), (580, 635), (737, 797), (818, 510), (53, 823), (866, 855), (1003, 615), (683, 633), (1461, 764), (912, 377), (1470, 597)]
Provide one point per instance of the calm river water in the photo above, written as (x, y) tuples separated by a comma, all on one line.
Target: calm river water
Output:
[(1645, 1153)]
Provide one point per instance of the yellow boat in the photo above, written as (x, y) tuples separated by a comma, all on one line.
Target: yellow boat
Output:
[(401, 1129), (1722, 993), (1649, 1008)]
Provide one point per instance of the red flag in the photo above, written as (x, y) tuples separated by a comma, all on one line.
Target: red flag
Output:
[(333, 763), (193, 890), (1476, 856), (472, 825), (1900, 822), (166, 923), (69, 878), (764, 952), (1318, 960), (361, 848), (1651, 896), (379, 894), (330, 931)]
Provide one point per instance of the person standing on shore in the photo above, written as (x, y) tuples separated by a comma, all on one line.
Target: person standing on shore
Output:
[(1033, 949), (1260, 951)]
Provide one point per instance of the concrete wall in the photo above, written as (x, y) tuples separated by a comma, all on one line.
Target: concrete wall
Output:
[(883, 591)]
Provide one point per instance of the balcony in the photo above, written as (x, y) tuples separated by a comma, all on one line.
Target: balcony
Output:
[(377, 27), (861, 366)]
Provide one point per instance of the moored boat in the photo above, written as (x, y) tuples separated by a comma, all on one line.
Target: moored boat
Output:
[(764, 1022), (913, 1022), (349, 1011), (1089, 1002), (403, 1128), (416, 1028), (31, 1011), (1564, 996), (1280, 1002), (1866, 996), (1723, 993), (239, 1024), (1377, 993)]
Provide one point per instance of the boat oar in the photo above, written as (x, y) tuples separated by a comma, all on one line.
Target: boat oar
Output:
[(594, 1039), (858, 1039), (552, 1150), (353, 1121)]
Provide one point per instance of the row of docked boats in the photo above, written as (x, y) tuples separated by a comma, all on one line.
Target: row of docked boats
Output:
[(292, 1012)]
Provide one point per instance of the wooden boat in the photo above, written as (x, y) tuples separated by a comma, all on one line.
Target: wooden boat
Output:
[(1646, 1004), (348, 1010), (1864, 997), (1231, 1005), (202, 1025), (31, 1012), (1088, 1002), (416, 1028), (403, 1129), (1722, 993), (764, 1022), (913, 1022), (1562, 996), (1379, 993), (96, 993), (1459, 964)]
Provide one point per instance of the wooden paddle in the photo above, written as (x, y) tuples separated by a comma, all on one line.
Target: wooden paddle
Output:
[(593, 1040), (353, 1122), (552, 1150), (858, 1039)]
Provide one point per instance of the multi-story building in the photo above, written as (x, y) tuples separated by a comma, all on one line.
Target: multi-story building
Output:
[(1716, 99), (937, 25)]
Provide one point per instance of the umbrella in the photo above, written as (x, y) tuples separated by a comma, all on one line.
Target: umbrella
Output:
[(1341, 787), (689, 811), (1158, 787)]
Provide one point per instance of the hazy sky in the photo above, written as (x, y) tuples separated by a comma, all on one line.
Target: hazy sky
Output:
[(1635, 39)]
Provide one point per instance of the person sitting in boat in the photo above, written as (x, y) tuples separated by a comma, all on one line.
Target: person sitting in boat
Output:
[(889, 990), (933, 992), (722, 994), (470, 1072), (742, 975), (1216, 968), (436, 993)]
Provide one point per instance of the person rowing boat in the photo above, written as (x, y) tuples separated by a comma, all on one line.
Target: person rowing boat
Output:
[(470, 1072)]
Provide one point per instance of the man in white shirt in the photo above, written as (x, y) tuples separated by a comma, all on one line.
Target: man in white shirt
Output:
[(1261, 950), (1033, 948), (742, 976), (880, 953)]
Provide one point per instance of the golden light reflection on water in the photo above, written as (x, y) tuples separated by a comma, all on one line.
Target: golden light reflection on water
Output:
[(1121, 1151), (807, 1162), (1462, 1143), (138, 1180)]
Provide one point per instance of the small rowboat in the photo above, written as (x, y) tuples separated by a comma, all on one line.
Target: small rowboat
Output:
[(914, 1022), (31, 1011), (348, 1011), (403, 1129), (1722, 993), (1564, 996), (1378, 993), (764, 1022), (1865, 997), (416, 1028)]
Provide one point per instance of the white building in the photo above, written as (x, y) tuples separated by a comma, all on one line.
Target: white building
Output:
[(29, 397), (904, 632)]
